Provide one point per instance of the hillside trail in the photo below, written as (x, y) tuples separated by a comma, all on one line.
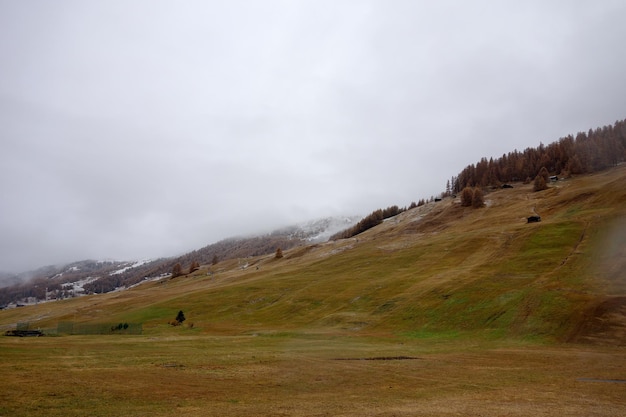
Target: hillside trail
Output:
[(604, 321)]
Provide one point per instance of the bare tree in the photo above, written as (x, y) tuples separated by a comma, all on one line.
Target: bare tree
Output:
[(177, 271)]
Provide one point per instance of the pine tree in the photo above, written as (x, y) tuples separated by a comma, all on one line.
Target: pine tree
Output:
[(180, 317), (279, 253), (177, 270)]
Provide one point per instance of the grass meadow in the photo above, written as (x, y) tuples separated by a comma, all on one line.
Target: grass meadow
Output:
[(440, 311), (299, 374)]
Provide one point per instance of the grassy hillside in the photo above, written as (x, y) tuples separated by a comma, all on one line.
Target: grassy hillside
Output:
[(439, 311), (439, 269)]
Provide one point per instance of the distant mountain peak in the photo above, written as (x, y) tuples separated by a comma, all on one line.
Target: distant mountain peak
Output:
[(105, 275)]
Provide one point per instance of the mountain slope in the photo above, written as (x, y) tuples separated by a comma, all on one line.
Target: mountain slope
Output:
[(437, 270), (88, 276)]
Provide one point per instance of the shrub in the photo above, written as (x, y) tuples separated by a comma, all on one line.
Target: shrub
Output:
[(180, 317), (540, 183), (472, 197), (467, 195), (478, 199), (119, 327)]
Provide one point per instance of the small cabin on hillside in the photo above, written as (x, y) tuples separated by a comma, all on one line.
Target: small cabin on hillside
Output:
[(534, 219)]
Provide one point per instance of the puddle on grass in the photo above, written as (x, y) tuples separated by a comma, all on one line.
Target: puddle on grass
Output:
[(610, 381), (379, 358), (173, 365)]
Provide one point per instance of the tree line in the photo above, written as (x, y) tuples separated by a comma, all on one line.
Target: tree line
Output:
[(584, 153), (587, 152), (373, 219)]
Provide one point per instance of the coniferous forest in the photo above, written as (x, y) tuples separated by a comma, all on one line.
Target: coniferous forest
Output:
[(586, 153)]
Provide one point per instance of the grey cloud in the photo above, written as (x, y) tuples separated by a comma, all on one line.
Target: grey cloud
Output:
[(133, 129)]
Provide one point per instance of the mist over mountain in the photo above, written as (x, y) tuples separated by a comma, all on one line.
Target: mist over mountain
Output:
[(187, 125), (587, 152), (100, 276), (511, 278)]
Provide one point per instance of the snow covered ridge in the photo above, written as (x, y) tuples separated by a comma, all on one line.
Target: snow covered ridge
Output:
[(74, 280), (102, 276), (134, 265), (319, 230), (77, 287)]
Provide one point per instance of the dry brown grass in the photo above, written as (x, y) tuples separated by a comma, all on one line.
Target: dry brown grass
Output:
[(305, 375), (482, 299)]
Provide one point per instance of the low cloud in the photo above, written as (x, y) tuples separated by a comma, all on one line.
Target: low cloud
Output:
[(146, 129)]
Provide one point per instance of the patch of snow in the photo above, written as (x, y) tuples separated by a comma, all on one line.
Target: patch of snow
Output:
[(150, 279), (321, 230), (135, 265), (110, 261), (78, 286)]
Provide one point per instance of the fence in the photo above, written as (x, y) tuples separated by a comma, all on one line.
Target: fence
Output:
[(72, 328), (69, 327)]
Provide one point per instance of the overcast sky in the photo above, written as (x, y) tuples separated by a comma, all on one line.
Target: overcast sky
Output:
[(133, 129)]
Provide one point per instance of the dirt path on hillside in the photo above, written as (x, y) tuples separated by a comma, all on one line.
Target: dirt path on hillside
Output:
[(575, 248), (604, 321)]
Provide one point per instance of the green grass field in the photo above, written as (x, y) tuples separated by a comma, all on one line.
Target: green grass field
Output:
[(440, 311)]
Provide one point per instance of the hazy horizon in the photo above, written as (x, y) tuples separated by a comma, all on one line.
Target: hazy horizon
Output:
[(143, 129)]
